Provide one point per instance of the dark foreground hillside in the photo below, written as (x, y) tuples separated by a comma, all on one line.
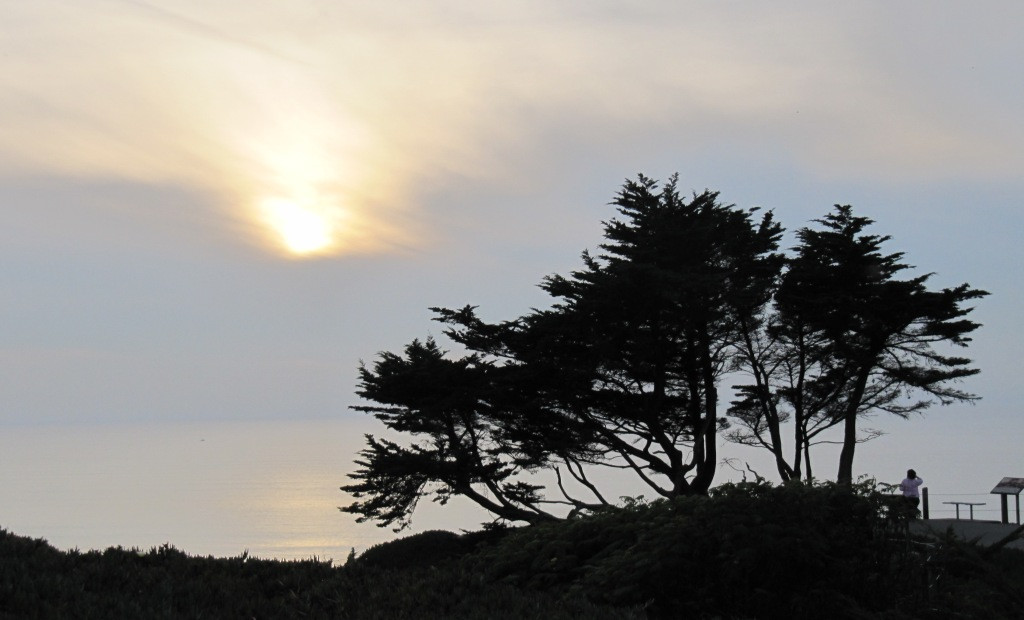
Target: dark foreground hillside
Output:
[(750, 551)]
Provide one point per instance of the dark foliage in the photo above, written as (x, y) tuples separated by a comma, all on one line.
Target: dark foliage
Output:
[(37, 581), (751, 551), (746, 551), (624, 371), (849, 336), (465, 448), (757, 551), (428, 549)]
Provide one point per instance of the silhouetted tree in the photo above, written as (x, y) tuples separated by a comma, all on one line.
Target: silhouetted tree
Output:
[(849, 338), (624, 369), (444, 401), (633, 351)]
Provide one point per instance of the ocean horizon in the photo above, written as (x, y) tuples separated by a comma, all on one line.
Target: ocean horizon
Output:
[(271, 488), (223, 488)]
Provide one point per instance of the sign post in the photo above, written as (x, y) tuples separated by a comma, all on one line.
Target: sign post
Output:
[(1006, 487)]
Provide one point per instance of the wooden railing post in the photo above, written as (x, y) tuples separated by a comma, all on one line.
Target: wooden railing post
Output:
[(924, 502)]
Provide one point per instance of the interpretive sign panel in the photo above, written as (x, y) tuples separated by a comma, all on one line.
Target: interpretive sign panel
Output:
[(1005, 488), (1009, 486)]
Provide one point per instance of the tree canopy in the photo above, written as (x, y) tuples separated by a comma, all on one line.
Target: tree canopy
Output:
[(846, 338), (625, 369)]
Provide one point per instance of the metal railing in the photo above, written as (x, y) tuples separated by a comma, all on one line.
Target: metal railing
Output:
[(935, 506)]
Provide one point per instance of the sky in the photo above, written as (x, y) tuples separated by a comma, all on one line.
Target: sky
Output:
[(214, 211)]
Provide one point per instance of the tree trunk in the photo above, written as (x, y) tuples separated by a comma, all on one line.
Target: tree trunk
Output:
[(845, 475), (709, 432)]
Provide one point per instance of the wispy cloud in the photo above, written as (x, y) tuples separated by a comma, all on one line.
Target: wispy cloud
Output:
[(362, 107)]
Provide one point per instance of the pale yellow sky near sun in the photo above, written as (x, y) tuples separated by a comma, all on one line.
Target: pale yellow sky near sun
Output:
[(315, 125)]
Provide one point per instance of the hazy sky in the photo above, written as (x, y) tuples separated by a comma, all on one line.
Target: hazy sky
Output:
[(215, 210)]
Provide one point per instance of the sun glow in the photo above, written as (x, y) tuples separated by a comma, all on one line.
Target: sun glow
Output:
[(303, 230)]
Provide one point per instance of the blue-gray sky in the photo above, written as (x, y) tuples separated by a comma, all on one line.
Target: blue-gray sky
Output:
[(215, 210)]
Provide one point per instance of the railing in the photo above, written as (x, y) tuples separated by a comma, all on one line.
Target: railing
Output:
[(934, 506)]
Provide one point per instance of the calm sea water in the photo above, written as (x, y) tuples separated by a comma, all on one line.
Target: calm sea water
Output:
[(271, 488), (220, 488)]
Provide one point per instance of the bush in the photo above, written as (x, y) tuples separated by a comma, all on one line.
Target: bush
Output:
[(426, 549), (750, 550), (747, 551)]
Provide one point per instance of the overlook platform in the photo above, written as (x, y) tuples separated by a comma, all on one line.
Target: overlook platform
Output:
[(987, 532)]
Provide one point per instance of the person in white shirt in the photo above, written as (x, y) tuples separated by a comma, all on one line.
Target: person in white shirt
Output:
[(911, 489)]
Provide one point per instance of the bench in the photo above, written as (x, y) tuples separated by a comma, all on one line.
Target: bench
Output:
[(970, 504)]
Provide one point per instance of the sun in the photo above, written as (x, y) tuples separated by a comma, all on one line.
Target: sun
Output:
[(302, 229)]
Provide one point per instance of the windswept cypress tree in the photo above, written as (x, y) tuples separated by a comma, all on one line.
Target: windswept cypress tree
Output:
[(878, 333), (624, 370), (648, 328), (848, 337)]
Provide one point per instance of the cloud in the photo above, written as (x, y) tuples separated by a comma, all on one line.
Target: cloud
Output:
[(364, 108)]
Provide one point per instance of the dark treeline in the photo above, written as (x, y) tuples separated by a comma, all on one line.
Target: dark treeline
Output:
[(746, 551)]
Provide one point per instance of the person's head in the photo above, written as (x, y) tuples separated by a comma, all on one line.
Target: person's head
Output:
[(911, 474)]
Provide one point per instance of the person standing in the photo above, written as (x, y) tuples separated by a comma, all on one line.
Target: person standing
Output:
[(911, 489)]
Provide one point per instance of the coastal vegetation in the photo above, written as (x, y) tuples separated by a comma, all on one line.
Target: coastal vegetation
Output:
[(751, 550), (689, 303)]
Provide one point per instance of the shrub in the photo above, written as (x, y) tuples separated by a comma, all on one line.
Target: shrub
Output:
[(750, 550), (426, 549), (747, 551)]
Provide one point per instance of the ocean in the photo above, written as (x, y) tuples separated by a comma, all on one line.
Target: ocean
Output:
[(206, 488), (270, 488)]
